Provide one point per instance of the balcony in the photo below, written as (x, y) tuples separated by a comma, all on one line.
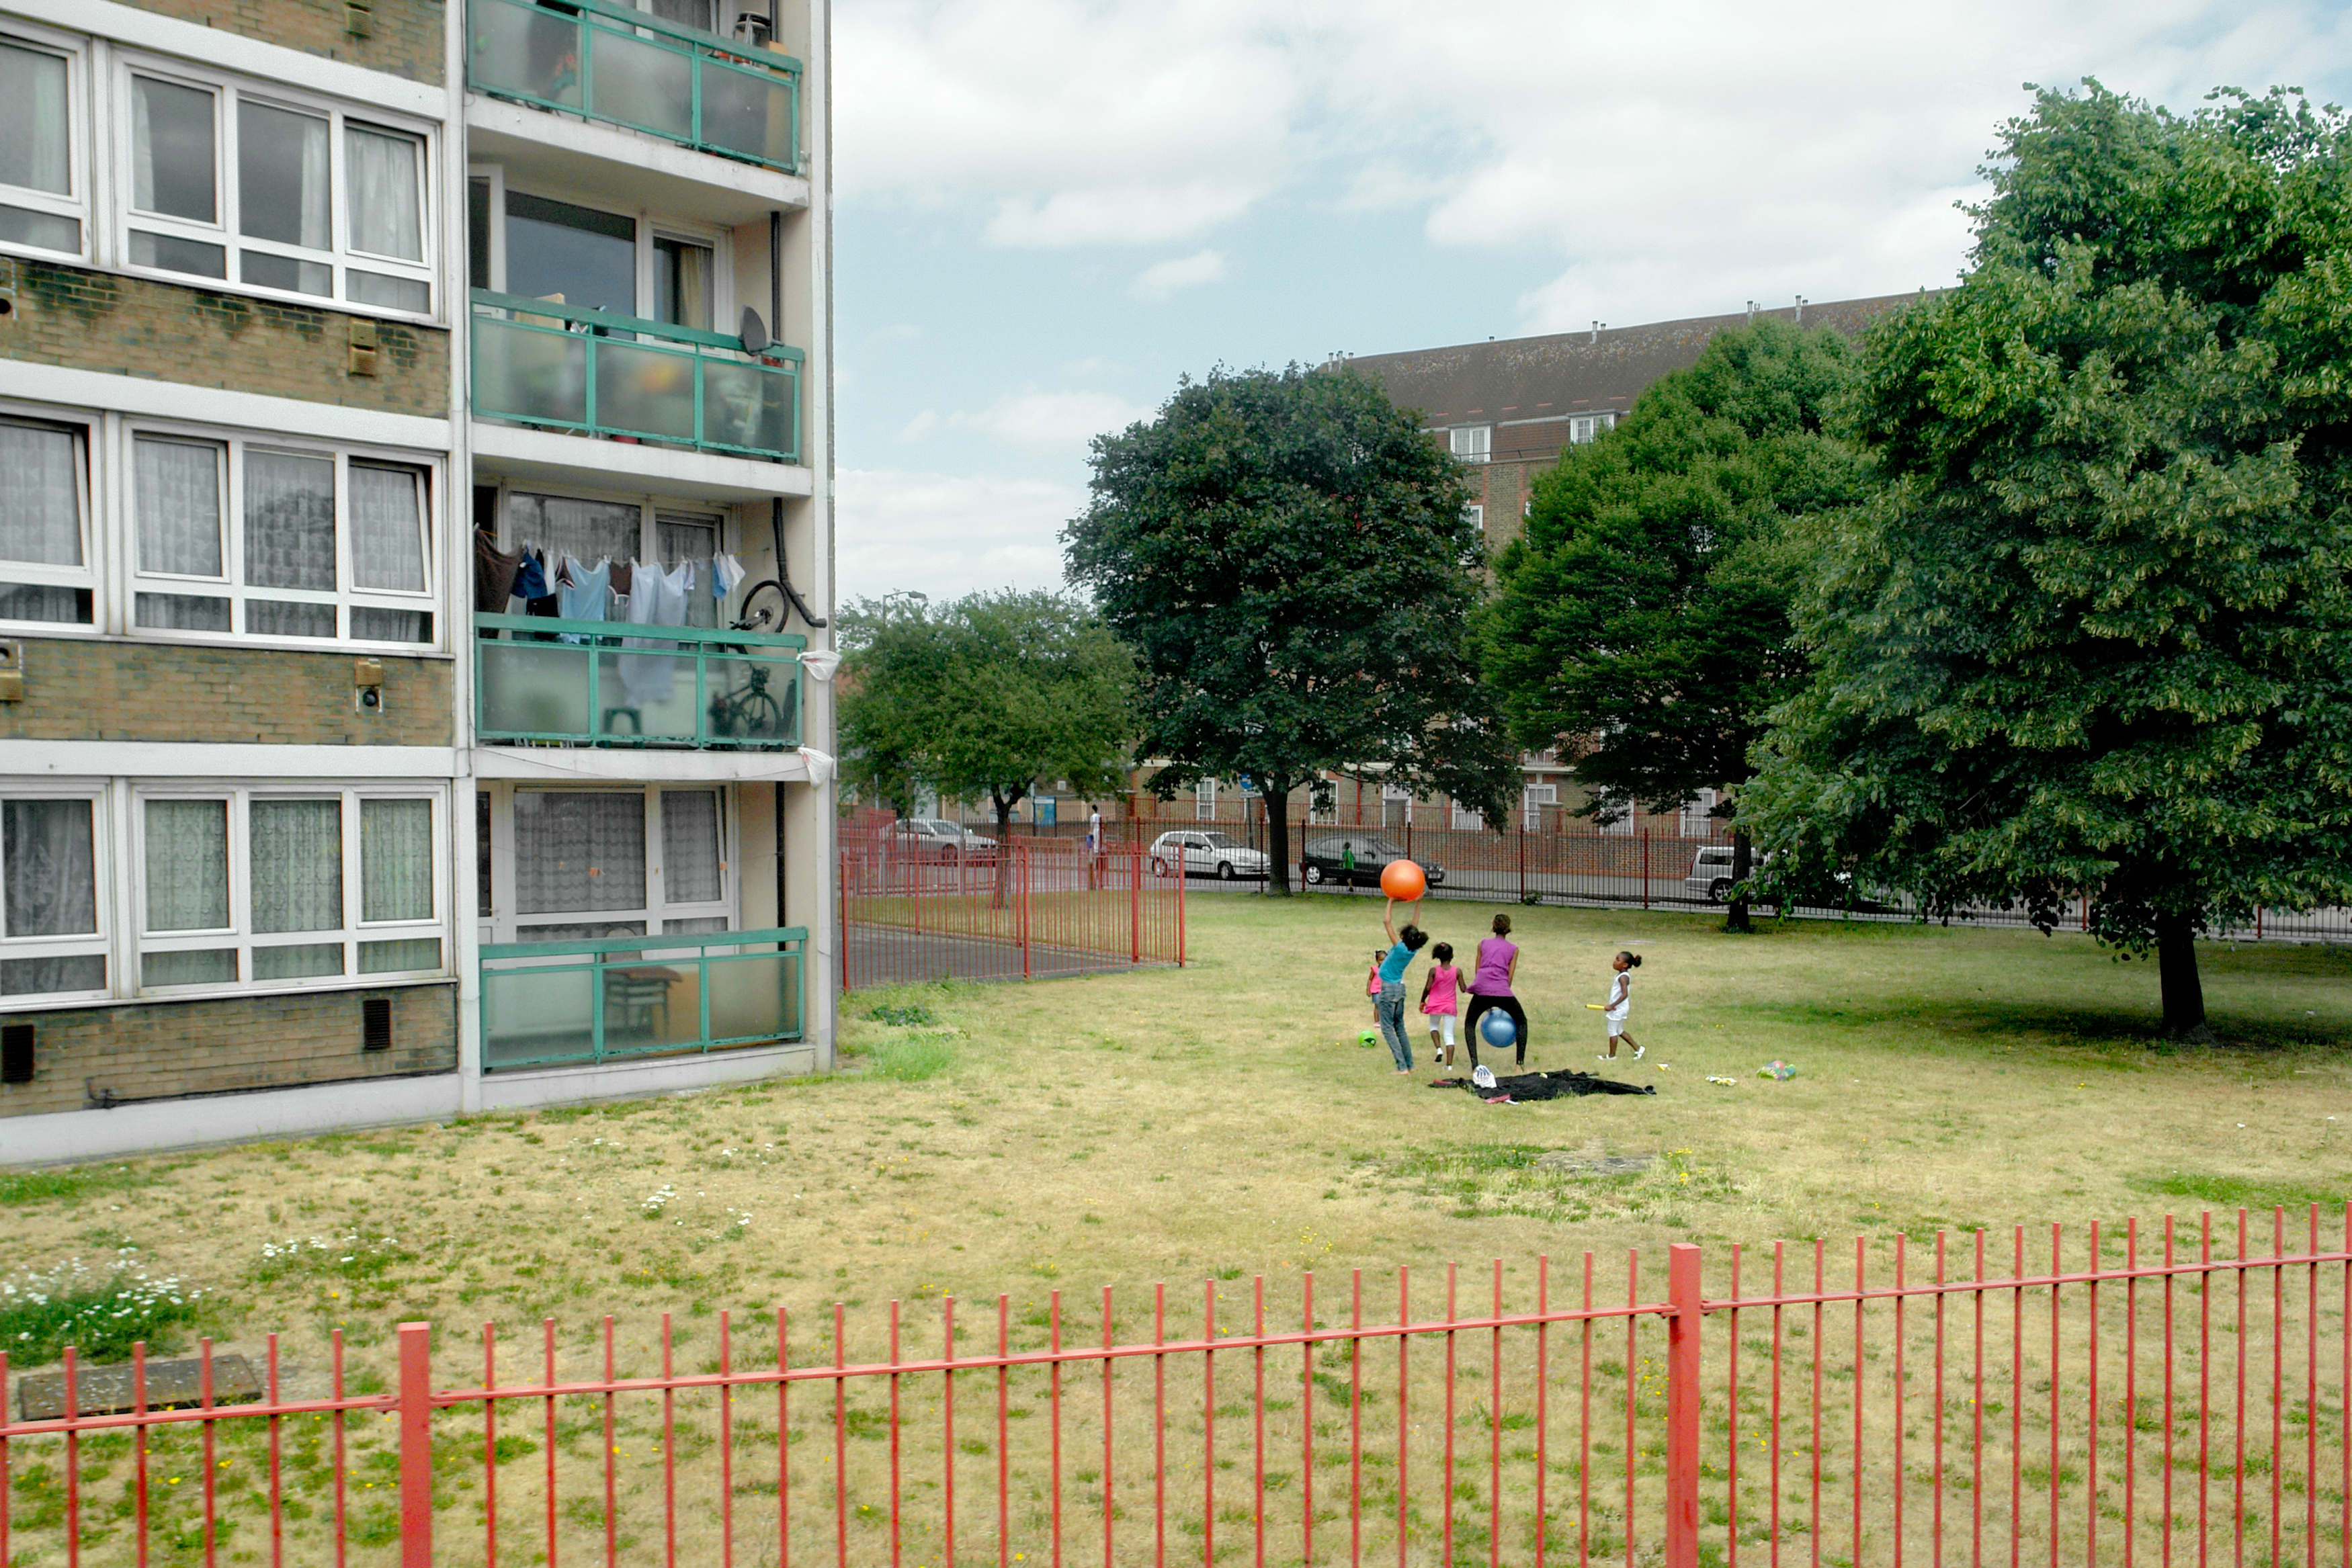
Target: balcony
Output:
[(627, 68), (548, 1003), (593, 372), (584, 682)]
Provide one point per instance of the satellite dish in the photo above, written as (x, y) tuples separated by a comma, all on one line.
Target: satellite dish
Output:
[(754, 331)]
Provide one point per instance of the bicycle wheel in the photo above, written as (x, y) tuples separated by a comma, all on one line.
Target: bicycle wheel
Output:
[(764, 608)]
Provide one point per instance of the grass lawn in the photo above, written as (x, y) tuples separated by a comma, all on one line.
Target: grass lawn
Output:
[(1222, 1119), (1214, 1123)]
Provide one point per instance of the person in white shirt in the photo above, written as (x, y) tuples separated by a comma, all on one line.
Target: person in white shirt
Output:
[(1621, 1003), (1094, 846)]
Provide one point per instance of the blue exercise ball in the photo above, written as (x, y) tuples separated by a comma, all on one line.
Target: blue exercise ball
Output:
[(1497, 1029)]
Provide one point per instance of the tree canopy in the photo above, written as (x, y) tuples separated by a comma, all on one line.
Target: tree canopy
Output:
[(1290, 557), (2090, 635), (980, 698), (1642, 621)]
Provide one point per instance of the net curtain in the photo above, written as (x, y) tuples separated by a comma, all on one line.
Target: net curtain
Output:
[(52, 869), (691, 869), (395, 859), (388, 527), (579, 851), (384, 212), (297, 857), (178, 506), (40, 495), (289, 521), (187, 865), (33, 156)]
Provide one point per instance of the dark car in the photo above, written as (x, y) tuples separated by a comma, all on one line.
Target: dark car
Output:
[(1325, 860)]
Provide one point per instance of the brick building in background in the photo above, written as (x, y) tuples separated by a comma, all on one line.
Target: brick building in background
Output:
[(312, 316)]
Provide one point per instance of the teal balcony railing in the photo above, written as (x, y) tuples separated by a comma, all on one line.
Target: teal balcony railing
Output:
[(604, 61), (545, 1003), (593, 373), (592, 683)]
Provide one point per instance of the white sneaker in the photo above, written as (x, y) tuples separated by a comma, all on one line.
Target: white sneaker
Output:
[(1638, 1051), (1604, 1058)]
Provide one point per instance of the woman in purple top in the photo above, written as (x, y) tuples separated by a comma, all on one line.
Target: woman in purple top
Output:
[(1498, 965)]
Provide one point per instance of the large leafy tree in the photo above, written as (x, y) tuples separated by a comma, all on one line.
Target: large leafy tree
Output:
[(1641, 622), (980, 698), (1290, 557), (2092, 635)]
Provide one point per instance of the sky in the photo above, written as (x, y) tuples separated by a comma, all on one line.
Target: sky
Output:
[(1047, 211)]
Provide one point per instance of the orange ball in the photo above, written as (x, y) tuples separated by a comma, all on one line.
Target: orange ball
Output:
[(1404, 881)]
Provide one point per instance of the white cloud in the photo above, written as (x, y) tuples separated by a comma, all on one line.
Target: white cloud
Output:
[(921, 425), (1066, 420), (1164, 278), (947, 534)]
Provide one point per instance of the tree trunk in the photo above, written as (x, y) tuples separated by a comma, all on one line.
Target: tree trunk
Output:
[(2176, 970), (1277, 837), (1003, 894), (1743, 860)]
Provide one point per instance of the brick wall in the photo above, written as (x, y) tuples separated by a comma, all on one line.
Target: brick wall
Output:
[(403, 38), (167, 331), (236, 1043), (87, 690)]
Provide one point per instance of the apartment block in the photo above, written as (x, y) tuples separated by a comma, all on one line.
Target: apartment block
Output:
[(416, 554)]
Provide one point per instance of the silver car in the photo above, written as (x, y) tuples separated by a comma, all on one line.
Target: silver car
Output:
[(937, 839), (1202, 851)]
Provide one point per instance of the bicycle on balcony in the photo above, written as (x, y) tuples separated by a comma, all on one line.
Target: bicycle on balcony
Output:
[(754, 711)]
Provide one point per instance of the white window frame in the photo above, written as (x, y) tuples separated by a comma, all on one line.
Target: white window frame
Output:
[(650, 222), (340, 257), (88, 576), (1697, 815), (1471, 442), (1533, 799), (1477, 515), (513, 926), (346, 596), (101, 941), (1204, 800), (1391, 792), (650, 511), (75, 202), (239, 934), (1466, 820), (1581, 429)]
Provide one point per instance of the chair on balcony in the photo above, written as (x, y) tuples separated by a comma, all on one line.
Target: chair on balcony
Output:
[(633, 998)]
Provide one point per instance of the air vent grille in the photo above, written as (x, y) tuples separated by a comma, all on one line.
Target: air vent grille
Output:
[(375, 1023)]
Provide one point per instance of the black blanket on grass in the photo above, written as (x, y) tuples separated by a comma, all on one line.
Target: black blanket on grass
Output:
[(1555, 1085)]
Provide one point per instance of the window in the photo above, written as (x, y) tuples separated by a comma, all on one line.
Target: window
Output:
[(572, 255), (1471, 443), (683, 275), (1533, 799), (1698, 815), (43, 196), (1204, 800), (298, 199), (583, 871), (51, 940), (1588, 427), (1396, 807), (1464, 819), (1475, 517), (595, 530), (256, 887), (45, 553), (234, 537)]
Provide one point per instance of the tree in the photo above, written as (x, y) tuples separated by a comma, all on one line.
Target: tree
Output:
[(1641, 622), (2091, 636), (980, 698), (1291, 558)]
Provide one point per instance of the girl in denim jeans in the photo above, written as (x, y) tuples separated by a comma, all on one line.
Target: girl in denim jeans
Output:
[(1390, 1006)]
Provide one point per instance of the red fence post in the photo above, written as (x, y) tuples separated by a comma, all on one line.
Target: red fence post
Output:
[(1180, 909), (1134, 919), (1645, 868), (415, 1423), (1683, 1432)]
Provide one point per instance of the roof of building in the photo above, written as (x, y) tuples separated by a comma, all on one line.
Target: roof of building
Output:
[(1567, 373)]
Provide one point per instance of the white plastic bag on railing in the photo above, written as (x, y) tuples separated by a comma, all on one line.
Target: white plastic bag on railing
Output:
[(820, 663), (820, 766)]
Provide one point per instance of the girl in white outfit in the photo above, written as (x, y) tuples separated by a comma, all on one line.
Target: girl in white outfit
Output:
[(1621, 1004)]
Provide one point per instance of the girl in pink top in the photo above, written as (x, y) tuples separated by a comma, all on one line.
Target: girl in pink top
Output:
[(1438, 989), (1498, 966)]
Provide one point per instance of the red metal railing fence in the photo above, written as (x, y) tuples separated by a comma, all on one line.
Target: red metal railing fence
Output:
[(1028, 908), (2164, 1398)]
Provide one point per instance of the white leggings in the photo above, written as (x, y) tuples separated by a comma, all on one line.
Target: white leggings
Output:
[(1441, 1030)]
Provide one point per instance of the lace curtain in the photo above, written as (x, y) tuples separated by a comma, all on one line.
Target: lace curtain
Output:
[(579, 850), (40, 494), (691, 868), (290, 523), (395, 859), (384, 193), (187, 865), (560, 525), (52, 872), (297, 856), (178, 506), (388, 527), (34, 155), (281, 175)]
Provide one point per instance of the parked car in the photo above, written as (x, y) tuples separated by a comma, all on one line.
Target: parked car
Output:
[(1710, 878), (1203, 852), (937, 839), (1324, 859)]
